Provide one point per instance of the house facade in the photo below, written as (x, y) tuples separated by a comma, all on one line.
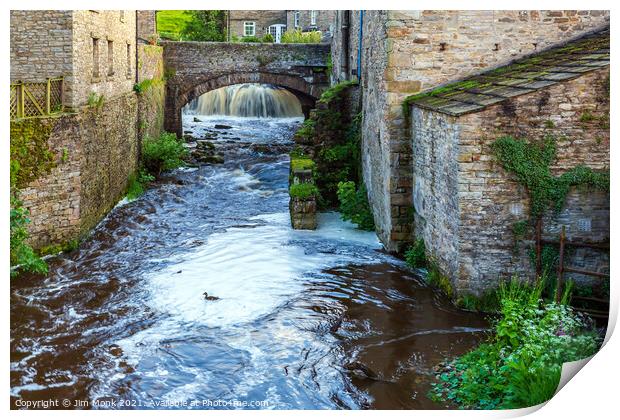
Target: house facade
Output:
[(257, 23)]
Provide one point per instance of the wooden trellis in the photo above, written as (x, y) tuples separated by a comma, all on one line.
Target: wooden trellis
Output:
[(36, 99)]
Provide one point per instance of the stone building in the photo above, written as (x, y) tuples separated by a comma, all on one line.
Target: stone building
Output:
[(89, 138), (466, 204), (400, 53), (244, 23)]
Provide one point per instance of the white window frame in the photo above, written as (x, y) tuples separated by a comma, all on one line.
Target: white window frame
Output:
[(249, 25), (313, 14), (296, 19)]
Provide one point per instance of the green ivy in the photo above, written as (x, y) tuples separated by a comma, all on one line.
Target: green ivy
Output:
[(531, 162)]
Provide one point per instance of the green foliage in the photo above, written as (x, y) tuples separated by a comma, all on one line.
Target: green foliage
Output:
[(146, 84), (302, 163), (306, 131), (163, 153), (520, 365), (298, 37), (22, 256), (250, 39), (354, 205), (268, 38), (95, 100), (415, 256), (531, 162), (587, 116), (205, 25), (519, 229), (54, 249), (303, 190), (487, 302), (137, 183), (335, 91), (437, 279)]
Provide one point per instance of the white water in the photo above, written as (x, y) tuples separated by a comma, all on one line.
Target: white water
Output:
[(247, 100)]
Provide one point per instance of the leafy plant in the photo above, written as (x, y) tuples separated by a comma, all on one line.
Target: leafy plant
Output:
[(520, 365), (415, 256), (250, 39), (267, 38), (137, 183), (531, 162), (303, 190), (205, 25), (354, 205), (163, 153), (95, 100), (296, 36)]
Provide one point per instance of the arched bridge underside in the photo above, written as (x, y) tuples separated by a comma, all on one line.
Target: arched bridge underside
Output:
[(194, 68)]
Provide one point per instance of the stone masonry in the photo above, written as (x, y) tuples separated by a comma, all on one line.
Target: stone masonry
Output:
[(404, 52), (96, 148), (466, 203), (198, 67)]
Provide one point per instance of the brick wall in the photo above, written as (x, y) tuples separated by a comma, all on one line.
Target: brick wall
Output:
[(466, 204)]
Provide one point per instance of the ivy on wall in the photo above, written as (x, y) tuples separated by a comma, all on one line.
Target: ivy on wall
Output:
[(530, 162)]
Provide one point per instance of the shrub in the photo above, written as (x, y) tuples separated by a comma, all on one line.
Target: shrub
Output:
[(250, 39), (520, 366), (267, 38), (416, 254), (298, 37), (354, 205), (163, 153), (22, 256), (303, 190)]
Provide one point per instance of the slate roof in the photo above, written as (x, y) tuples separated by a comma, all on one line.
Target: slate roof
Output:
[(521, 77)]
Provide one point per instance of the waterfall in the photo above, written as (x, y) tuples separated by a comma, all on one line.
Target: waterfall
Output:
[(247, 100)]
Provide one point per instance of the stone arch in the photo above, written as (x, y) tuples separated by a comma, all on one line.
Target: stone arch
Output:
[(307, 93)]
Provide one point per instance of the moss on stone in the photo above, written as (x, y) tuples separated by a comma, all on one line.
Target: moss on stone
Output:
[(301, 164), (335, 91), (30, 149), (303, 190)]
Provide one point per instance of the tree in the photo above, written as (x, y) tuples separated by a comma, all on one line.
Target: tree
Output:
[(206, 25)]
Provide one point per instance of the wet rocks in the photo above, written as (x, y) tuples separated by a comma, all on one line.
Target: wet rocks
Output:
[(197, 119), (222, 127)]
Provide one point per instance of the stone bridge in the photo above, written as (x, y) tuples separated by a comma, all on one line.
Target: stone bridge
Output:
[(194, 68)]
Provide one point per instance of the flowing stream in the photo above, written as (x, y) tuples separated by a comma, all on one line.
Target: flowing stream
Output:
[(294, 319)]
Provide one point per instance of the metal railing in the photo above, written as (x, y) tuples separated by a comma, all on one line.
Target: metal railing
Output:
[(36, 99)]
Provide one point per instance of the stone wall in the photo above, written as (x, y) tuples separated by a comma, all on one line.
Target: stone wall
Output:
[(404, 52), (262, 18), (95, 152), (466, 203), (196, 68), (146, 23), (324, 20), (117, 26), (40, 44), (151, 104)]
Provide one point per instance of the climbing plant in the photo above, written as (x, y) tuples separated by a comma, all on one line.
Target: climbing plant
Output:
[(530, 162)]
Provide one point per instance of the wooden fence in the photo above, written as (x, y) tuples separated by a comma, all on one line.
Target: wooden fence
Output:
[(36, 99)]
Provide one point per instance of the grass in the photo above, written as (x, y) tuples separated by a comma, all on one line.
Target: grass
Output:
[(303, 190), (170, 23)]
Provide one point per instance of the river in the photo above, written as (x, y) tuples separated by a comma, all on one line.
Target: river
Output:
[(299, 319)]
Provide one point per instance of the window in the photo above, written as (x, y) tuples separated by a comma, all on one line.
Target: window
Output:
[(110, 58), (95, 57), (313, 14), (128, 61), (121, 15), (249, 28), (296, 17)]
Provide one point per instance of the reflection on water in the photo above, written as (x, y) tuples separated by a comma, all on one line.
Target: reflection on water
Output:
[(299, 319), (247, 100)]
